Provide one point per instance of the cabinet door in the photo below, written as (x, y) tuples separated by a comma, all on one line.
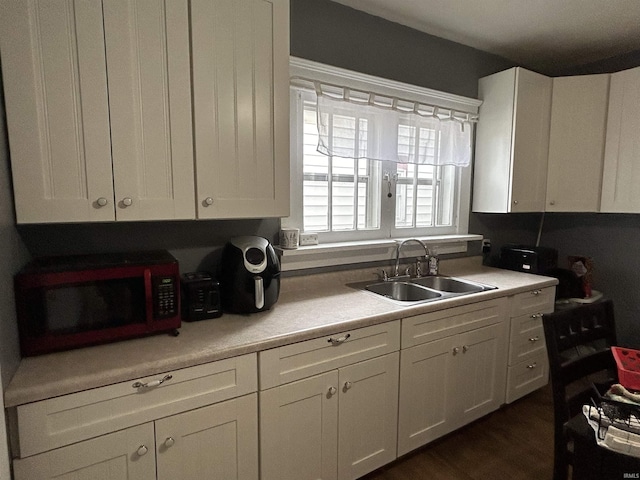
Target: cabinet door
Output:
[(621, 174), (240, 54), (217, 442), (147, 45), (55, 83), (368, 416), (299, 430), (530, 141), (481, 372), (426, 391), (512, 142), (124, 455), (576, 143)]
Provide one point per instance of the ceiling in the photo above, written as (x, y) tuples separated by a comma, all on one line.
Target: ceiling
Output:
[(539, 34)]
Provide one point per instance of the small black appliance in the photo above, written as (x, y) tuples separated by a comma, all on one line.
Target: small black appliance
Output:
[(249, 275), (200, 296), (524, 258)]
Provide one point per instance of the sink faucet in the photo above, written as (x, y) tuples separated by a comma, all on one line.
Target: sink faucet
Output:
[(399, 247)]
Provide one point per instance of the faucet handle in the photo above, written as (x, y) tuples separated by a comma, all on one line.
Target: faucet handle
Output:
[(383, 275)]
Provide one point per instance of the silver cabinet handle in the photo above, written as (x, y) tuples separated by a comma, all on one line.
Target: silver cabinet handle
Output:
[(153, 383), (534, 339), (515, 202), (536, 292), (142, 450), (332, 391), (101, 202), (465, 349), (169, 442), (208, 202), (456, 350), (537, 315), (532, 366), (127, 201), (339, 340), (347, 385)]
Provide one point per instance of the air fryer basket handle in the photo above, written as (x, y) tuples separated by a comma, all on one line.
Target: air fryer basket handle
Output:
[(259, 291)]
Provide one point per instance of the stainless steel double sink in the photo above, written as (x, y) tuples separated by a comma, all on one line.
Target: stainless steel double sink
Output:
[(422, 289)]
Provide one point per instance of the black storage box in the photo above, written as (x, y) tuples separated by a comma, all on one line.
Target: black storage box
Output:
[(524, 258)]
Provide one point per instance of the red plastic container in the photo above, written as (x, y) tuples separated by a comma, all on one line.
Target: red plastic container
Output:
[(628, 361)]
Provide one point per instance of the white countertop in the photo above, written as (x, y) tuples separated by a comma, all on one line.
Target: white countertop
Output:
[(308, 307)]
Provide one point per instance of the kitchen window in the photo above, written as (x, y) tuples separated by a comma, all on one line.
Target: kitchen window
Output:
[(342, 193)]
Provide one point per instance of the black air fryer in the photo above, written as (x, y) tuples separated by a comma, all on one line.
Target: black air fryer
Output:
[(249, 275)]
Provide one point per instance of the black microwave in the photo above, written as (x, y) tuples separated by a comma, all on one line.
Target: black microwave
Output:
[(74, 301)]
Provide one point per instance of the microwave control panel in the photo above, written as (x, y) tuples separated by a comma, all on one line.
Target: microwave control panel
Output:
[(165, 296)]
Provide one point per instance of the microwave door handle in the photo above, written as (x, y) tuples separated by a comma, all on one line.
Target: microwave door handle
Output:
[(259, 291), (149, 304)]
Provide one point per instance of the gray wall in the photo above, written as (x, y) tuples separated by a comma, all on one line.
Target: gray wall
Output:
[(334, 34), (611, 240), (12, 255)]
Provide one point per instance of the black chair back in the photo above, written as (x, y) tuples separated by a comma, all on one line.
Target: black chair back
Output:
[(578, 345)]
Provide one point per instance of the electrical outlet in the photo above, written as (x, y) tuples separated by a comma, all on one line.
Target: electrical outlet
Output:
[(308, 239)]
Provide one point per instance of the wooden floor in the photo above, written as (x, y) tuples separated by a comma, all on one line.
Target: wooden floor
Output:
[(514, 443)]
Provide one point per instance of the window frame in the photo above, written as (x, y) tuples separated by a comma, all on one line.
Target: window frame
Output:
[(302, 73)]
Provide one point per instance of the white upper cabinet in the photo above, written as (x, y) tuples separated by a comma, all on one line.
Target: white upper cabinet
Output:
[(98, 109), (512, 141), (576, 143), (621, 174), (55, 83), (147, 44), (240, 55)]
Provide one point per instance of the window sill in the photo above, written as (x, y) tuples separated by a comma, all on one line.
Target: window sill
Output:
[(345, 253)]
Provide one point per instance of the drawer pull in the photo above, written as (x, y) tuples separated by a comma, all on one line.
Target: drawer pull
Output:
[(347, 386), (465, 349), (169, 442), (532, 366), (537, 315), (142, 450), (339, 340), (153, 383), (536, 292), (534, 339), (332, 391), (456, 350)]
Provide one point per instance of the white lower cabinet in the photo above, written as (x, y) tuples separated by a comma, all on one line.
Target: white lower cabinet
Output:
[(453, 371), (528, 367), (199, 422), (218, 442), (127, 454), (340, 424)]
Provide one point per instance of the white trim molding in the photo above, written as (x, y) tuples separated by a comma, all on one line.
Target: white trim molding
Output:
[(346, 253), (301, 69)]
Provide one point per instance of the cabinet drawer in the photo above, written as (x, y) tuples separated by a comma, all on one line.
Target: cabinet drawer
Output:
[(529, 375), (436, 325), (70, 418), (527, 336), (537, 300), (299, 360)]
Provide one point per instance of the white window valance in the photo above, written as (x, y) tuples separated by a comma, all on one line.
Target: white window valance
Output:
[(395, 125)]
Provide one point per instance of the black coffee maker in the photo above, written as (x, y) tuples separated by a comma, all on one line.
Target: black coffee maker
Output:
[(249, 275)]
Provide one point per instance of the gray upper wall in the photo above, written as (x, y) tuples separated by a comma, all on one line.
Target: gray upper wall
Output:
[(331, 33)]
